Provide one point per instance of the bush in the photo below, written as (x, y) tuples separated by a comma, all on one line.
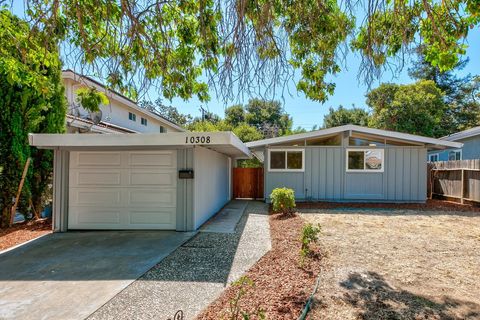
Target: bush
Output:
[(283, 200), (309, 235)]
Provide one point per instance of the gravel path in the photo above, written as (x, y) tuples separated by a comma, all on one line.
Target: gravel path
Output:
[(196, 273)]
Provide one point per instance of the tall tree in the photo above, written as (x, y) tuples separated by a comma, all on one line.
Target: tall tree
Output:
[(461, 93), (32, 100), (268, 117), (242, 46), (235, 115), (416, 108), (343, 116)]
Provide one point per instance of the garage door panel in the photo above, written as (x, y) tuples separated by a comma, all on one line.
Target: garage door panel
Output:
[(152, 198), (96, 196), (159, 216), (152, 178), (138, 191), (156, 159), (86, 216), (86, 177), (97, 159)]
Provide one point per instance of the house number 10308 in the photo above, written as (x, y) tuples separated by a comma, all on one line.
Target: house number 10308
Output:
[(198, 139)]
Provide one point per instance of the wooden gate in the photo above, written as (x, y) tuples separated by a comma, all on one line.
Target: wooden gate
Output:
[(248, 183)]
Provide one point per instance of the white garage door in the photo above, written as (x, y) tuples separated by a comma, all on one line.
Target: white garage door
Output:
[(122, 190)]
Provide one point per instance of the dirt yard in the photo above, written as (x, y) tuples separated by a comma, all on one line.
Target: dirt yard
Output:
[(398, 264), (23, 232)]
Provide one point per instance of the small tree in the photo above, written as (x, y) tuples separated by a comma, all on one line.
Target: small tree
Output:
[(283, 200)]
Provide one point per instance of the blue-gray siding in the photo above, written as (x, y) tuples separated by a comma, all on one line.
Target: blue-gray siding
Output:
[(325, 177), (470, 150)]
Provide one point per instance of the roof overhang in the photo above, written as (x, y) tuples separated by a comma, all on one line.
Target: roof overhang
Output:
[(430, 143), (222, 142), (469, 133)]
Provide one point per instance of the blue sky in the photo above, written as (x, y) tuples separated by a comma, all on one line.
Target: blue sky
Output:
[(349, 90)]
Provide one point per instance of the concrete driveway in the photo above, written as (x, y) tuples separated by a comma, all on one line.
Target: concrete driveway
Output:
[(70, 275)]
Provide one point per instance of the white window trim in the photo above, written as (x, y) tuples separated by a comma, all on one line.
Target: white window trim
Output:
[(286, 170), (456, 151), (382, 151), (434, 154)]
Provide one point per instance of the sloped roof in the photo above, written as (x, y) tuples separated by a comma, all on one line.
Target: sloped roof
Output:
[(463, 134), (70, 74), (430, 142)]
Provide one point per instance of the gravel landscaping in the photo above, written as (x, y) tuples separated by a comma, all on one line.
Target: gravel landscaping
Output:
[(398, 263), (23, 232)]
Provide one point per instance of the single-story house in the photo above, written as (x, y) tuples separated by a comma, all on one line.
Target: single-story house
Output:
[(471, 147), (172, 181), (178, 180), (349, 163)]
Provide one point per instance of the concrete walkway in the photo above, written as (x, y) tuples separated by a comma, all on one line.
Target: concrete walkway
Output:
[(198, 271), (70, 275)]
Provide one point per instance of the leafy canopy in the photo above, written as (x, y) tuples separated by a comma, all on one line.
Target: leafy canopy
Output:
[(181, 47), (342, 116), (416, 108)]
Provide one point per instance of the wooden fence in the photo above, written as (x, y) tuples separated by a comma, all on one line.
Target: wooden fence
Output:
[(455, 180)]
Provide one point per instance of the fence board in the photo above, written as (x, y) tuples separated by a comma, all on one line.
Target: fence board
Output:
[(445, 179)]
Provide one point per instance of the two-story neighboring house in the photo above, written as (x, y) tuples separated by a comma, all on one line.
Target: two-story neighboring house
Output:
[(121, 115), (470, 150)]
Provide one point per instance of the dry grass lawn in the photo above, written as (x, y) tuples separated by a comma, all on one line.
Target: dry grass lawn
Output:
[(398, 264)]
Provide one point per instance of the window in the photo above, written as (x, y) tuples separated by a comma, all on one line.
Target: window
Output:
[(163, 129), (286, 160), (455, 155), (132, 116), (433, 157), (143, 121), (365, 160)]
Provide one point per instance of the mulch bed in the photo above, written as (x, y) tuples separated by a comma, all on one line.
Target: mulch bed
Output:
[(431, 204), (23, 232), (281, 286)]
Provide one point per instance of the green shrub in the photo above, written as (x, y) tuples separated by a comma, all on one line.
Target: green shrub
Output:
[(309, 235), (283, 200), (243, 284)]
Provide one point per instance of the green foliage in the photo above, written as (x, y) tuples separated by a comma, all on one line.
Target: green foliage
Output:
[(169, 112), (235, 115), (461, 93), (243, 284), (249, 163), (283, 200), (32, 100), (416, 108), (247, 133), (268, 117), (91, 99), (182, 45), (310, 234), (343, 116)]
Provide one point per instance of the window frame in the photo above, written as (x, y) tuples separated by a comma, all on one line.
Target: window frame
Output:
[(455, 151), (286, 159), (364, 170), (162, 129), (433, 155), (143, 121), (132, 116)]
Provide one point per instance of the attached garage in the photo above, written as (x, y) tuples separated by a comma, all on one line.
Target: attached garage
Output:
[(172, 181)]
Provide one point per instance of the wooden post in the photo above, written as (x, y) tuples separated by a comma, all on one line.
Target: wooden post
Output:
[(15, 204), (463, 187)]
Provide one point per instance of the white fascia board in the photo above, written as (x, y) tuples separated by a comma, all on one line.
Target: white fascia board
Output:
[(438, 143), (463, 134), (217, 140), (69, 74)]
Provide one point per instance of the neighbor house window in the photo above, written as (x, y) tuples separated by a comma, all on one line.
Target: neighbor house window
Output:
[(365, 160), (143, 121), (433, 157), (455, 155), (163, 129), (286, 160), (132, 116)]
